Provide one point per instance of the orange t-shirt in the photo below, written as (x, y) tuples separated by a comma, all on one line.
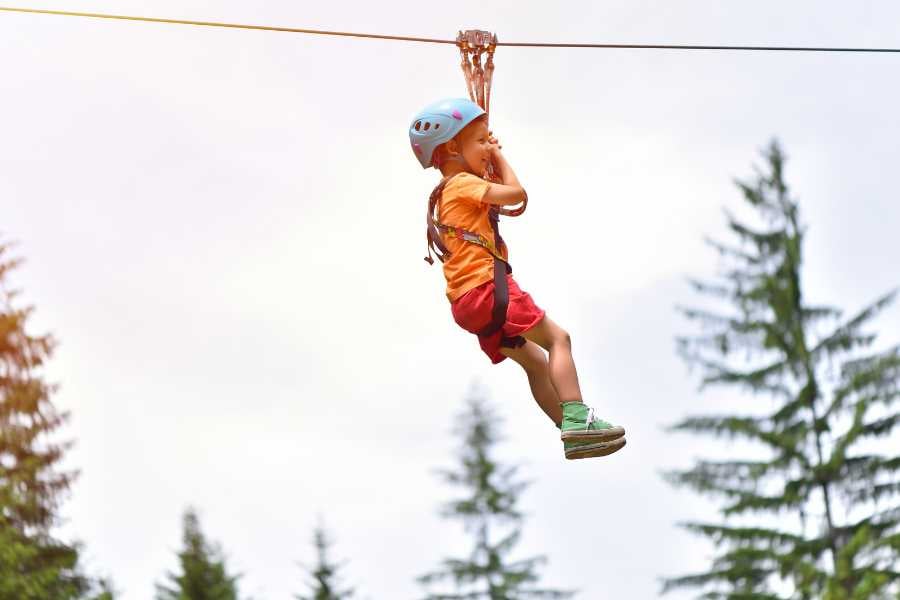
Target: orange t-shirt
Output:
[(469, 265)]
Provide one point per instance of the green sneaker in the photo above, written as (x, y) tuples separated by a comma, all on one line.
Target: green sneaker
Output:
[(580, 425), (576, 450)]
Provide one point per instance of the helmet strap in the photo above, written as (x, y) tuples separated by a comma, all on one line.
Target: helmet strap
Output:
[(459, 158)]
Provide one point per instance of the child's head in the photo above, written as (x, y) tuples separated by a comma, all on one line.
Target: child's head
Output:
[(468, 148), (452, 135)]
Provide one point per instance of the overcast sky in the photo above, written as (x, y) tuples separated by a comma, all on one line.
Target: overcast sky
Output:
[(224, 231)]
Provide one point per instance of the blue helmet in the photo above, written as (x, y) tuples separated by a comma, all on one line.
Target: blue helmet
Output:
[(438, 123)]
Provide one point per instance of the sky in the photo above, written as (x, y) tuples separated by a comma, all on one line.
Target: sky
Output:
[(224, 231)]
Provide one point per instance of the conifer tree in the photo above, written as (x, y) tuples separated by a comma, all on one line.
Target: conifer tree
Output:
[(325, 584), (488, 511), (100, 589), (203, 574), (104, 590), (33, 564), (818, 516)]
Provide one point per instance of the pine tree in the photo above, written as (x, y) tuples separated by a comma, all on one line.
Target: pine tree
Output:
[(325, 585), (33, 565), (489, 506), (102, 590), (203, 574), (818, 517)]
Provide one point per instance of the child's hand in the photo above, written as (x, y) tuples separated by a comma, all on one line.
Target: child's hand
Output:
[(494, 142), (496, 157)]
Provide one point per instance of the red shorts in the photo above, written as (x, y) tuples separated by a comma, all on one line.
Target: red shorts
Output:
[(473, 312)]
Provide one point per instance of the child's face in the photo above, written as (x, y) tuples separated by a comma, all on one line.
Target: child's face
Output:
[(474, 146)]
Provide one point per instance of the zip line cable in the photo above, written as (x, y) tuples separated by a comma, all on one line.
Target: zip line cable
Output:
[(229, 25), (438, 41)]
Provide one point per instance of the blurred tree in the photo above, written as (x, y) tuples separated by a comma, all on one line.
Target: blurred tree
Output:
[(325, 585), (489, 505), (33, 565), (818, 517), (203, 575), (103, 590)]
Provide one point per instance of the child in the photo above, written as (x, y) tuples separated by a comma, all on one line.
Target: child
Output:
[(452, 135)]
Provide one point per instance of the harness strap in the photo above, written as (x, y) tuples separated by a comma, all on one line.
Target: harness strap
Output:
[(469, 236), (501, 289), (433, 239)]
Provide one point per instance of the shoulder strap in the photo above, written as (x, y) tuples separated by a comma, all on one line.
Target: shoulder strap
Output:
[(433, 239)]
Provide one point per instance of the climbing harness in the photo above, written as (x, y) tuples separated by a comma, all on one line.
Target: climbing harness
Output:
[(501, 265), (472, 45)]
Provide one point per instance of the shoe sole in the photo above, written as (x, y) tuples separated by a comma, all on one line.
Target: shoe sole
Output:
[(592, 435), (599, 449)]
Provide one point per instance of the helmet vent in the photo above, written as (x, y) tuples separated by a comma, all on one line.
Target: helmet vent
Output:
[(418, 124), (436, 125), (427, 125)]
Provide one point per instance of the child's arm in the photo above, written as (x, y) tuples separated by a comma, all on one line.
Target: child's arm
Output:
[(508, 192)]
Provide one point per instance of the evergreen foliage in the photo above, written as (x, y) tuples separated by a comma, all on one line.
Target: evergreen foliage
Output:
[(33, 565), (325, 584), (818, 518), (488, 506), (203, 574), (103, 590)]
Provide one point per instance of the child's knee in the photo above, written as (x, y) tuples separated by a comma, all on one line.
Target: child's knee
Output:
[(561, 336), (554, 334)]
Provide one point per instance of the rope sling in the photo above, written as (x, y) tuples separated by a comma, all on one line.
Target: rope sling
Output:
[(472, 45)]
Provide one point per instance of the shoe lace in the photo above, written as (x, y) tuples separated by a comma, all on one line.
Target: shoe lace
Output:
[(592, 419)]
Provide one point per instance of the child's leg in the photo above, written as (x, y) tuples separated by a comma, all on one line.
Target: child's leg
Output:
[(534, 361), (555, 340)]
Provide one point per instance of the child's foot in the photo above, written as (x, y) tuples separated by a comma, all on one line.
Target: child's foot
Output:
[(580, 425), (575, 450)]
